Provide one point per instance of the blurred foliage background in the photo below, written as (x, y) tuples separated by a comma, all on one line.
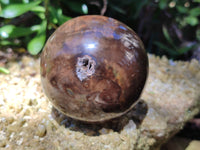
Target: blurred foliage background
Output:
[(167, 27)]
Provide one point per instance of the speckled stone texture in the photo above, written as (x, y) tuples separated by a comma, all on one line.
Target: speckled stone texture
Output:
[(171, 97)]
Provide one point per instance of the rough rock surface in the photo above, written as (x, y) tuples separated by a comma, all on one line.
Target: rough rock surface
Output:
[(171, 97)]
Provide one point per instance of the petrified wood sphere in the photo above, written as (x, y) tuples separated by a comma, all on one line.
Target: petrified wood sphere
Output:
[(93, 68)]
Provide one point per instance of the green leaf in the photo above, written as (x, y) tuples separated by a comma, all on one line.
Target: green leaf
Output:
[(38, 9), (198, 1), (14, 10), (136, 9), (53, 15), (61, 18), (25, 1), (4, 70), (41, 15), (11, 31), (8, 43), (184, 50), (37, 43), (169, 50), (75, 6), (182, 9), (198, 34), (195, 12), (117, 9), (168, 38), (56, 16), (193, 21), (84, 9), (6, 2), (163, 4)]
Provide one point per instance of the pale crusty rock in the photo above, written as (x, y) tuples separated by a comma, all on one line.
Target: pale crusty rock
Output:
[(171, 94), (194, 145)]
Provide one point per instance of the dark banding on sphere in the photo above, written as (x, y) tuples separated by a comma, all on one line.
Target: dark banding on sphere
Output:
[(93, 68)]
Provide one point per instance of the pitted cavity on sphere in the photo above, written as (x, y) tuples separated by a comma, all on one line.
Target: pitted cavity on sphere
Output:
[(85, 67)]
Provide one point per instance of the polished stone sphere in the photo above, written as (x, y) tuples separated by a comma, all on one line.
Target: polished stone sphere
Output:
[(93, 68)]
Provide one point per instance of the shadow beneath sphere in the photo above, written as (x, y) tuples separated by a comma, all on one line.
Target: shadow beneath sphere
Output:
[(136, 114)]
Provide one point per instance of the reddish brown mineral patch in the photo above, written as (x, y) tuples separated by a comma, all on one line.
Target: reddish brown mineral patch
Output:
[(93, 68)]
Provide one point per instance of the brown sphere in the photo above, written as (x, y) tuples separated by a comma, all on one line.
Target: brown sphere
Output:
[(93, 68)]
